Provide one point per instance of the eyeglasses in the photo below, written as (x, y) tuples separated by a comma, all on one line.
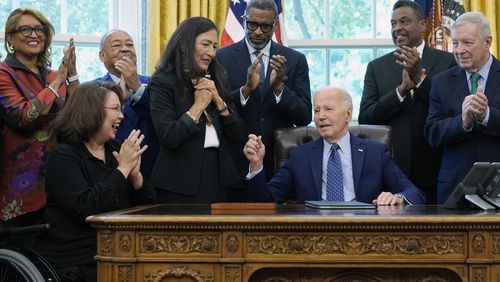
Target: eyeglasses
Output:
[(254, 25), (26, 31), (116, 109)]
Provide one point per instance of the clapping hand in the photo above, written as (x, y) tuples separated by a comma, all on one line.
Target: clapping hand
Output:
[(409, 58), (253, 76), (474, 107), (128, 69), (406, 84), (413, 73), (129, 157), (278, 72), (70, 56)]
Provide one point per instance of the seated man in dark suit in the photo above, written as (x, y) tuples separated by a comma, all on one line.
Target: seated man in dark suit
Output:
[(338, 166), (118, 55)]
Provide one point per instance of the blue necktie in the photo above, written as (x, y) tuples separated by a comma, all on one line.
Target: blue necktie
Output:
[(262, 71), (334, 179), (474, 78)]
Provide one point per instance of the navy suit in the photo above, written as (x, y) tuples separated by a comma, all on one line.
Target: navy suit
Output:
[(138, 116), (299, 178), (261, 114), (444, 126)]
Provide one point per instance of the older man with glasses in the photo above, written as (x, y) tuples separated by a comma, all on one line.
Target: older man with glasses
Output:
[(117, 53), (269, 82)]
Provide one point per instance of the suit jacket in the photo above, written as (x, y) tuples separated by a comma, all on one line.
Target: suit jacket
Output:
[(261, 114), (380, 105), (444, 126), (138, 116), (178, 167), (299, 178)]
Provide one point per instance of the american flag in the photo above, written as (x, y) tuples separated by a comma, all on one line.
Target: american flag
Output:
[(233, 29), (440, 15)]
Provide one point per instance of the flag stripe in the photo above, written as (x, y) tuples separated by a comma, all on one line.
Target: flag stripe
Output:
[(233, 28)]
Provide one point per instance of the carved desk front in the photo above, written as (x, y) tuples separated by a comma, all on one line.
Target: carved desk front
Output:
[(296, 243)]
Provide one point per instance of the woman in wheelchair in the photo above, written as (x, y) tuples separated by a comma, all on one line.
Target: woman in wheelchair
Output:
[(89, 172)]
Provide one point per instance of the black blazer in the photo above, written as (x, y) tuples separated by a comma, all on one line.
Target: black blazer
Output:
[(261, 114), (178, 166), (380, 105)]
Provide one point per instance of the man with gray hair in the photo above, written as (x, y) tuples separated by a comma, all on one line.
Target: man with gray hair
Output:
[(464, 112), (336, 167), (269, 83), (117, 53)]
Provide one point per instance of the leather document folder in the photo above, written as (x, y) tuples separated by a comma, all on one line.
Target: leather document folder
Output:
[(338, 205)]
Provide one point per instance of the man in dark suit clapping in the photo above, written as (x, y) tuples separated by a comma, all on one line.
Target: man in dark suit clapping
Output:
[(464, 113), (269, 82), (396, 93)]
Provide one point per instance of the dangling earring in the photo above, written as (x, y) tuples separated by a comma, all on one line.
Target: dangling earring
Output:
[(10, 48)]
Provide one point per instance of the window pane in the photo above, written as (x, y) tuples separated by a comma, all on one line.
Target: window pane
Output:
[(51, 9), (304, 19), (384, 13), (88, 17), (350, 19), (382, 51), (347, 70), (316, 59), (5, 10), (88, 64)]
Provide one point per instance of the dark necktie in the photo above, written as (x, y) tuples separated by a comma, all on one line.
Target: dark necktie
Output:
[(262, 69), (474, 78), (334, 179)]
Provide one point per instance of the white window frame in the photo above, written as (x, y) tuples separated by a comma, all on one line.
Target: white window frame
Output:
[(328, 44), (128, 18)]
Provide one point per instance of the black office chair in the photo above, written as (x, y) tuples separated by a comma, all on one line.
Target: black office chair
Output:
[(288, 138)]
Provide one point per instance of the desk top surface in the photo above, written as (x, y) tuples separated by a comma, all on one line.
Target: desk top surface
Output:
[(295, 213)]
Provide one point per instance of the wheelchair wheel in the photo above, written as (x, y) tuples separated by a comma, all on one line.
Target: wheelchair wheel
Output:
[(17, 268)]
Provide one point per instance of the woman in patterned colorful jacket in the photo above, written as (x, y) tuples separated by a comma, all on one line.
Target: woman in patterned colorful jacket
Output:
[(31, 94)]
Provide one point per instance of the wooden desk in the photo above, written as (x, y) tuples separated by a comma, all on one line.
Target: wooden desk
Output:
[(296, 243)]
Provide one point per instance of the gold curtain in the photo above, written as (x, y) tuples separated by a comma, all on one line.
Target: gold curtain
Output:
[(491, 9), (166, 15)]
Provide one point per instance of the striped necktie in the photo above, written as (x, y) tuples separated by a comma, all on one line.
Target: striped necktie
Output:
[(262, 68), (474, 78)]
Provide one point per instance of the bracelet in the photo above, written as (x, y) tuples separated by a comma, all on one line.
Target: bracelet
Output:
[(53, 91), (72, 78), (192, 117), (223, 109)]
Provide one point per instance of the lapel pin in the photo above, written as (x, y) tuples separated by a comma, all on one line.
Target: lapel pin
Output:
[(360, 150)]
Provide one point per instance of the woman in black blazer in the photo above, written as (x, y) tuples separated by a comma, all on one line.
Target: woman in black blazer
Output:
[(194, 118)]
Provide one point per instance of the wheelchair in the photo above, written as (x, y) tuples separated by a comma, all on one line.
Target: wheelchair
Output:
[(23, 264)]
